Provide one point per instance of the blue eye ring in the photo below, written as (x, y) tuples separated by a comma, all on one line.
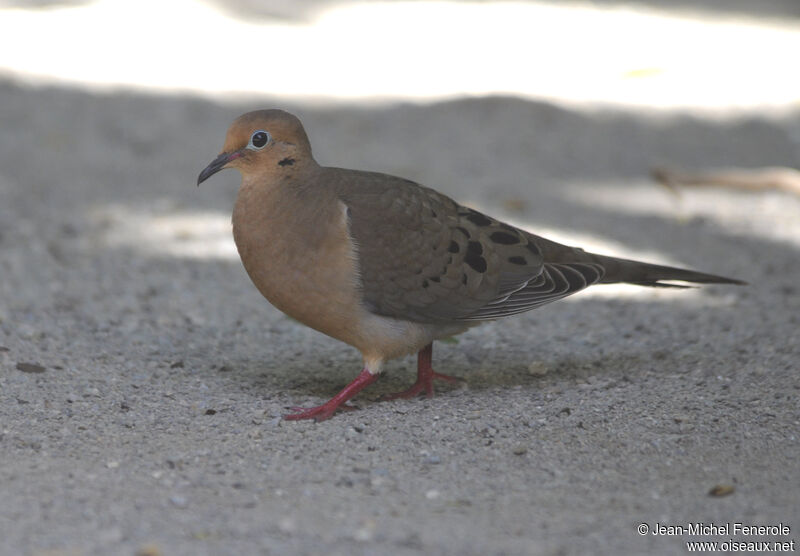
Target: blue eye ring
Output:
[(258, 140)]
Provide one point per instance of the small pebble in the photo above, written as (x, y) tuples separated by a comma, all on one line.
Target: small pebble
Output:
[(30, 368), (721, 490), (537, 368), (178, 501), (365, 532), (149, 550), (287, 525)]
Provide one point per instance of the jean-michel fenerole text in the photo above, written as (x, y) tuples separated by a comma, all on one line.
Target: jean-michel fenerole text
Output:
[(729, 529)]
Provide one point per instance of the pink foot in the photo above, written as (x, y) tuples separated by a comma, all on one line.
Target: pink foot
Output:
[(318, 413), (425, 377), (326, 410)]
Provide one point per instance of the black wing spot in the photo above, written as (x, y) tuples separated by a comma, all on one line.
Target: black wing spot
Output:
[(286, 162), (463, 231), (533, 249), (504, 238), (464, 279), (507, 227), (477, 262), (424, 283), (453, 248), (474, 248), (435, 279), (477, 218), (433, 213), (518, 260)]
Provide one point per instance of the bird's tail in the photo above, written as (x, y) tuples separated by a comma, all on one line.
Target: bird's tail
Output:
[(646, 274)]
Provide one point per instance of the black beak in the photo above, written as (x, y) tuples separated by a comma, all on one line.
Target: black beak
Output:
[(216, 165)]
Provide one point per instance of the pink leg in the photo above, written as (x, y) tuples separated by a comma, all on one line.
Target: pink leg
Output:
[(326, 410), (425, 377)]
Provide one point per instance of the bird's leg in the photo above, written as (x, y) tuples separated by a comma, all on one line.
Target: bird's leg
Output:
[(326, 410), (425, 377)]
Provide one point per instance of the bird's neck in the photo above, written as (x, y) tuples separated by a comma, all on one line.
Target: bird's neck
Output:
[(270, 205)]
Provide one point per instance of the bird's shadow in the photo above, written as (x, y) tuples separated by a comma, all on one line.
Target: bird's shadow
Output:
[(557, 356)]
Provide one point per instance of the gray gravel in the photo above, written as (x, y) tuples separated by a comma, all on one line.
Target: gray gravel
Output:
[(141, 390)]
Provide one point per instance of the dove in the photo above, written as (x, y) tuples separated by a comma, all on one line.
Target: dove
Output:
[(386, 265)]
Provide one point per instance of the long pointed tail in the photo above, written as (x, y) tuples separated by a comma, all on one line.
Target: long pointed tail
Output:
[(646, 274), (617, 270)]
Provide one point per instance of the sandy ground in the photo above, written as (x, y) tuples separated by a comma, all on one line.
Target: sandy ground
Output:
[(142, 377)]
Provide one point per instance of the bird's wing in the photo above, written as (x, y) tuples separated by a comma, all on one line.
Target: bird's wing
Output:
[(557, 280), (423, 257)]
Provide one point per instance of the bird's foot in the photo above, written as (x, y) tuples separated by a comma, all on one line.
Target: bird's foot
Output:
[(318, 413), (425, 377), (424, 384), (339, 401)]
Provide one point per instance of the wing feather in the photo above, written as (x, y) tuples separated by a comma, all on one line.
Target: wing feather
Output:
[(423, 257)]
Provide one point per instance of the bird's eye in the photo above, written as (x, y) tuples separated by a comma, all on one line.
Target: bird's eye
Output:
[(258, 140)]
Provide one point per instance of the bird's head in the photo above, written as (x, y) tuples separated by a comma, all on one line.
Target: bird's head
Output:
[(265, 141)]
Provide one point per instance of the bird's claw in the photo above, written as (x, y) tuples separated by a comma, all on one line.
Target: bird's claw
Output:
[(318, 413), (424, 384)]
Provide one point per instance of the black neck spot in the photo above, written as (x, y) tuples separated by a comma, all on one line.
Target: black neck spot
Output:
[(286, 162)]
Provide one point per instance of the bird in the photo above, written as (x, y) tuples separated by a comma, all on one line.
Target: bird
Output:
[(385, 264)]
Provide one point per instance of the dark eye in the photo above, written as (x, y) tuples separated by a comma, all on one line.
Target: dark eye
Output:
[(258, 140)]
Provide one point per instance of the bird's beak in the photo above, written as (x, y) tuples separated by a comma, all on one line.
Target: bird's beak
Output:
[(216, 165)]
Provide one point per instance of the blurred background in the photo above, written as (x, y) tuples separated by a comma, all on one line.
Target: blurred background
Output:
[(124, 307), (713, 55), (520, 100)]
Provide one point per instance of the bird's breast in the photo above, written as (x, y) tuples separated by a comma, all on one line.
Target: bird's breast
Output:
[(299, 254)]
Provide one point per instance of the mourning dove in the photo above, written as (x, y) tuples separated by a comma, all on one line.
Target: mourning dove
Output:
[(387, 265)]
